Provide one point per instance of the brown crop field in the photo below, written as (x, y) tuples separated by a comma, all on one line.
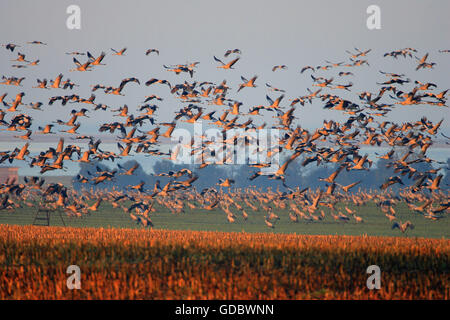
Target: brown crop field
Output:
[(162, 264)]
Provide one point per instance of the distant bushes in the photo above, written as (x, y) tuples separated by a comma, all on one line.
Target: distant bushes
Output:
[(296, 175)]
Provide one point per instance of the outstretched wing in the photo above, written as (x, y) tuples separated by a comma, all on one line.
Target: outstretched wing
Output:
[(231, 63), (76, 62), (269, 99), (218, 60), (90, 56), (151, 81)]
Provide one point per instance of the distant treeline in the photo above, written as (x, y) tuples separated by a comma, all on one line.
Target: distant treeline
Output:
[(296, 175)]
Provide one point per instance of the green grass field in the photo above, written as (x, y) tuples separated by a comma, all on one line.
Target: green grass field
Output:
[(375, 223)]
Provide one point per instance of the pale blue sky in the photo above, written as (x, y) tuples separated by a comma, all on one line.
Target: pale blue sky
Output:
[(294, 33)]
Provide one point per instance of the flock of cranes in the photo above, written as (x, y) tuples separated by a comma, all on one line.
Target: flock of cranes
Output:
[(141, 133)]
